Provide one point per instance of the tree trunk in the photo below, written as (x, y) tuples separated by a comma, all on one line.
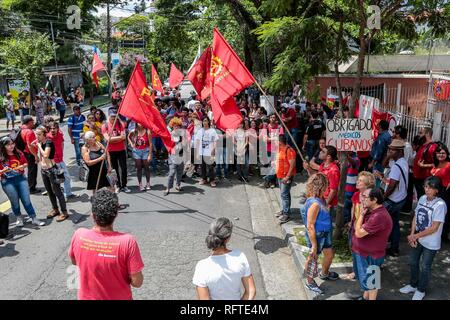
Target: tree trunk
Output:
[(338, 60), (337, 234)]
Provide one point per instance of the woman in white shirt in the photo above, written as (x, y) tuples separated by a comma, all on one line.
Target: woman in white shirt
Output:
[(219, 277)]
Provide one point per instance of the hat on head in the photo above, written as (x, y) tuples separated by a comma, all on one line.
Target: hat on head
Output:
[(397, 144), (27, 119)]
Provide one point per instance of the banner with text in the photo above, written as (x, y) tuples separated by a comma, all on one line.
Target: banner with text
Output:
[(350, 134), (366, 106)]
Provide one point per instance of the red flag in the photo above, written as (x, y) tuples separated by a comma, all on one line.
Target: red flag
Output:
[(229, 75), (97, 65), (138, 105), (175, 77), (226, 115), (156, 82), (199, 73)]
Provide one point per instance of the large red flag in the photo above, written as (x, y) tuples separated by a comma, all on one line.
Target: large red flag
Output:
[(226, 115), (229, 75), (199, 74), (97, 65), (175, 77), (138, 106), (156, 82)]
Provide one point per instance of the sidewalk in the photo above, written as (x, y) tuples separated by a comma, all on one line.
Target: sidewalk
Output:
[(98, 102), (395, 271)]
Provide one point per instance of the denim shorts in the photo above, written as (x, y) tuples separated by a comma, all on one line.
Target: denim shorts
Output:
[(10, 116), (140, 154), (360, 266), (324, 240)]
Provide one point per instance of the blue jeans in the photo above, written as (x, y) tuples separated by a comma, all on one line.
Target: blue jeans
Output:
[(420, 272), (294, 132), (76, 145), (17, 188), (285, 189), (360, 266), (311, 148), (394, 211), (67, 186)]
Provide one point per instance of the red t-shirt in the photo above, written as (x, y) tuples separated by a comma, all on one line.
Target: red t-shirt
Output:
[(117, 131), (334, 175), (378, 224), (141, 142), (13, 162), (28, 137), (58, 141), (423, 173), (443, 174), (293, 123), (105, 261)]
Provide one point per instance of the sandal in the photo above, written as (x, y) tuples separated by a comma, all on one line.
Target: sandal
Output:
[(62, 217), (53, 213), (202, 182), (213, 184), (178, 189), (166, 192)]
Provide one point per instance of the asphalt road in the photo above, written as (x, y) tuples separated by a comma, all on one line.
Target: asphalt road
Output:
[(170, 231)]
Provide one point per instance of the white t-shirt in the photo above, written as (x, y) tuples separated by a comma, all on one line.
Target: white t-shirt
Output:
[(401, 191), (222, 275), (207, 139), (426, 213)]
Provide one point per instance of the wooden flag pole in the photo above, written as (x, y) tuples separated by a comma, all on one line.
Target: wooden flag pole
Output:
[(281, 121)]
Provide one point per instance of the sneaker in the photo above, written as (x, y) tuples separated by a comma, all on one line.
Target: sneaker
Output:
[(37, 222), (43, 193), (142, 188), (278, 214), (213, 184), (314, 287), (148, 187), (418, 295), (408, 289), (202, 182), (333, 276), (272, 186), (72, 197), (33, 191), (19, 222), (125, 189), (284, 218)]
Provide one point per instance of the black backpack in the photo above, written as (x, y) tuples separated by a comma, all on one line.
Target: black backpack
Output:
[(16, 136)]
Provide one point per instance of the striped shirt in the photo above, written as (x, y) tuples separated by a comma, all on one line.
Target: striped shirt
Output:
[(76, 123), (352, 177)]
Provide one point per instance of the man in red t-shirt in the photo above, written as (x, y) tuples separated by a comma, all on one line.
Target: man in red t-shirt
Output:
[(116, 148), (423, 162), (109, 262), (30, 152), (329, 168), (289, 117), (57, 137)]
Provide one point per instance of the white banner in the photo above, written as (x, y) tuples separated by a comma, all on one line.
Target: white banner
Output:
[(350, 134), (366, 106)]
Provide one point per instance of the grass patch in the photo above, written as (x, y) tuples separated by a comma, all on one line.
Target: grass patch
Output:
[(341, 248), (99, 100)]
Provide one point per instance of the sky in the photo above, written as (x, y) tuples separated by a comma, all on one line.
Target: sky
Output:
[(118, 12)]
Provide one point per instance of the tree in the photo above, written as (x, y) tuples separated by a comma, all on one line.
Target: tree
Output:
[(25, 55)]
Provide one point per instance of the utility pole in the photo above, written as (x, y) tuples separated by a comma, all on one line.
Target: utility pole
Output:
[(54, 52), (108, 45)]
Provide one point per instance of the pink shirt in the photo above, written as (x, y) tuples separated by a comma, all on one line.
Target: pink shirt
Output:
[(105, 260)]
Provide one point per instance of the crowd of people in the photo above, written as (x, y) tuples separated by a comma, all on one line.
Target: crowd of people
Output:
[(379, 184)]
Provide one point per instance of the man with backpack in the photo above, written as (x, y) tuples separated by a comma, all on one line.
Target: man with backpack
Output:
[(60, 105), (75, 127), (25, 142)]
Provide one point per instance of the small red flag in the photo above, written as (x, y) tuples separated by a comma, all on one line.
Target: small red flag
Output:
[(137, 104), (229, 75), (97, 65), (156, 82), (199, 74), (175, 77), (226, 115)]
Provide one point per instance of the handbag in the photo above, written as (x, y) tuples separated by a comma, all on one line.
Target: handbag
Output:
[(83, 172), (112, 177), (4, 225)]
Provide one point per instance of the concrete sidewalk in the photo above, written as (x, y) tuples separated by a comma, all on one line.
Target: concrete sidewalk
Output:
[(395, 271)]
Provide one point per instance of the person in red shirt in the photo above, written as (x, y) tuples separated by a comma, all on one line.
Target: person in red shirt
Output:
[(14, 183), (372, 230), (330, 168), (423, 163), (289, 117), (116, 148), (57, 137), (109, 262), (30, 152), (441, 170)]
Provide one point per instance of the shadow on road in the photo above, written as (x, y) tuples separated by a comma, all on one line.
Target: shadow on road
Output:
[(8, 250), (268, 244)]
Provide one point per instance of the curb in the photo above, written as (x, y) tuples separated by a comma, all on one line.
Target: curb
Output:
[(297, 249)]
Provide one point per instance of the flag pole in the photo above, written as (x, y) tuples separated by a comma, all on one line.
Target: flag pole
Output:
[(109, 132), (281, 121)]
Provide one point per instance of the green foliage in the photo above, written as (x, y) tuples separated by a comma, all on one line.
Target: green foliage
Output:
[(24, 55), (314, 95)]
